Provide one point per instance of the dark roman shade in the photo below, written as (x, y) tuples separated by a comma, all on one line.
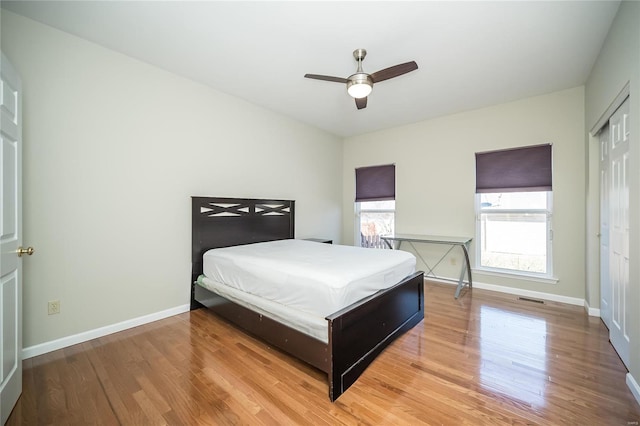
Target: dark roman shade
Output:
[(376, 183), (523, 169)]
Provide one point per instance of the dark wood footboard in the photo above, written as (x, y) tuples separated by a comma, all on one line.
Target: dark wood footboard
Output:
[(358, 333)]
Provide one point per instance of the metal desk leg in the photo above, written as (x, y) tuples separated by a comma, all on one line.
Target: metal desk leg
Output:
[(468, 271), (430, 269)]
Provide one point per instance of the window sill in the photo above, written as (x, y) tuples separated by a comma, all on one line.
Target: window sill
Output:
[(515, 275)]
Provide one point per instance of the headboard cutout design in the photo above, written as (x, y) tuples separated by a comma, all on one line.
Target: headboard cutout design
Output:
[(212, 209)]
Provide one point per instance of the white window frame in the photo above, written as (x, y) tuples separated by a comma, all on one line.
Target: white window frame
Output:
[(503, 271), (358, 214)]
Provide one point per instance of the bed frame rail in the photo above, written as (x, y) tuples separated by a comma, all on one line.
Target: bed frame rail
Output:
[(304, 347)]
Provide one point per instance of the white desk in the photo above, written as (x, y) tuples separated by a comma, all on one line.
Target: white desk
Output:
[(463, 242)]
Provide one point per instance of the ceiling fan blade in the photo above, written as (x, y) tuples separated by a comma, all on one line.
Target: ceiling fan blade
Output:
[(361, 102), (394, 71), (326, 78)]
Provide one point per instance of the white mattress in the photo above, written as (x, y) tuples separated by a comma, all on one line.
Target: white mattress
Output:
[(306, 278), (308, 324)]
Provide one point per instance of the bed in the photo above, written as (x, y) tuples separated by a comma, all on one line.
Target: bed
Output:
[(355, 335)]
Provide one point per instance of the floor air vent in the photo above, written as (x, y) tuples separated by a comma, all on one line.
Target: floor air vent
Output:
[(526, 299)]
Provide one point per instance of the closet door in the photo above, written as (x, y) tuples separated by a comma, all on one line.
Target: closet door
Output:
[(619, 231)]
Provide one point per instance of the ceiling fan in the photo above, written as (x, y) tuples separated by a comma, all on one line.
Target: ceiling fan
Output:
[(360, 84)]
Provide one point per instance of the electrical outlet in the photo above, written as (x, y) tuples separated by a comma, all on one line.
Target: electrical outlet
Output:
[(454, 261), (54, 307)]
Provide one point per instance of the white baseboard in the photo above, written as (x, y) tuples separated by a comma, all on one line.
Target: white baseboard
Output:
[(526, 293), (592, 312), (530, 293), (634, 387), (64, 342)]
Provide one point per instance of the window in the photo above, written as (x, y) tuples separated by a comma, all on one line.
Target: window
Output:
[(375, 204), (514, 231), (514, 210), (375, 218)]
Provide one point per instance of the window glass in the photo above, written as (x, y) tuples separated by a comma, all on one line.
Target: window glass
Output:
[(514, 232), (376, 218), (378, 205), (514, 200)]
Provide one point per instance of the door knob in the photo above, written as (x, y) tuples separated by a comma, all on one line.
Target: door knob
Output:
[(28, 250)]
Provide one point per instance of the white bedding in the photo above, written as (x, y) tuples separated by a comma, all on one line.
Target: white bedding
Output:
[(308, 324), (307, 278)]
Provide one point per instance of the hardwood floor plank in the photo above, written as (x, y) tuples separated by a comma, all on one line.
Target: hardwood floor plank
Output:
[(153, 415), (486, 358)]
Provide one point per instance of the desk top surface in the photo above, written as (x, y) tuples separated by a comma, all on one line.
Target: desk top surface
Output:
[(437, 239)]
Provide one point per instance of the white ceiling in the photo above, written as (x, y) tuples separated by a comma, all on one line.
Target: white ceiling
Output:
[(470, 54)]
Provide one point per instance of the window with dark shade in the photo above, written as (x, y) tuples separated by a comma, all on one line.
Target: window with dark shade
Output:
[(514, 207), (375, 204), (376, 183), (523, 169)]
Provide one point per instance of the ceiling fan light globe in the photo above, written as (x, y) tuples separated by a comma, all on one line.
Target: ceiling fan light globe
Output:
[(359, 90), (359, 85)]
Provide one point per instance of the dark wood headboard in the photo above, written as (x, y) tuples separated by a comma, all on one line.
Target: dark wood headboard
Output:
[(224, 222)]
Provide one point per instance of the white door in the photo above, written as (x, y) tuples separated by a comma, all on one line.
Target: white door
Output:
[(605, 284), (619, 231), (10, 239)]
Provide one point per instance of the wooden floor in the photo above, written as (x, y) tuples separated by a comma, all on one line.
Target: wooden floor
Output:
[(486, 358)]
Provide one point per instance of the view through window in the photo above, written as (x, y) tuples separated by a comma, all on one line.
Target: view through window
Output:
[(376, 218), (515, 231)]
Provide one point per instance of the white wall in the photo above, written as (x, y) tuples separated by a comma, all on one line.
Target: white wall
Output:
[(113, 150), (435, 176), (617, 65)]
